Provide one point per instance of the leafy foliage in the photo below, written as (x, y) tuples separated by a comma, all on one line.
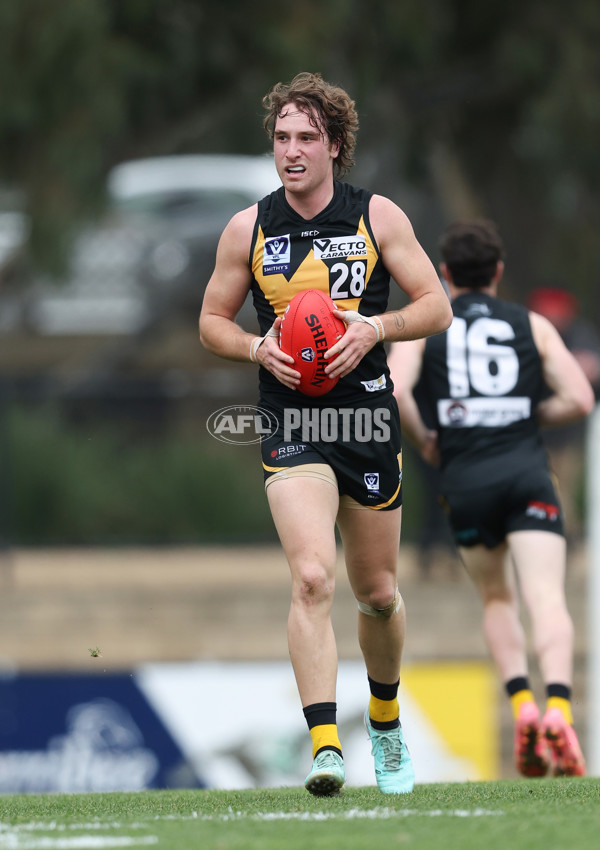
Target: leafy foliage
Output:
[(466, 109), (99, 485), (494, 108), (75, 486)]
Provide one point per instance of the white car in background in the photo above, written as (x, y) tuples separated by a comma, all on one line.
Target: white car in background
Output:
[(152, 253), (186, 201), (151, 184)]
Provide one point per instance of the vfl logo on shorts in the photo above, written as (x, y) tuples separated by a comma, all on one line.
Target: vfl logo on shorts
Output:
[(372, 482), (276, 255)]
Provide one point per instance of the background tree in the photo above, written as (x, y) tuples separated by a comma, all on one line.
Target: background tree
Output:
[(479, 108)]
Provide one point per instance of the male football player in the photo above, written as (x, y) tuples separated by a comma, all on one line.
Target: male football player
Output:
[(473, 399), (317, 232)]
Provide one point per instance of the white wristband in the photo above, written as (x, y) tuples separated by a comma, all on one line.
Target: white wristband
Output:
[(254, 346), (258, 341), (379, 328), (351, 316)]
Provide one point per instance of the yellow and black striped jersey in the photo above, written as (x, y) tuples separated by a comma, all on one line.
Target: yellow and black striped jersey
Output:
[(335, 252)]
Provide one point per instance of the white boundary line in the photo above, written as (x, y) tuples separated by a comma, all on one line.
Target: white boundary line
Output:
[(19, 836)]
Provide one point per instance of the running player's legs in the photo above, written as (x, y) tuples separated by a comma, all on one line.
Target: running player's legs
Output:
[(538, 547), (371, 539), (525, 512), (540, 560), (358, 485), (540, 557), (492, 573), (304, 510), (500, 519)]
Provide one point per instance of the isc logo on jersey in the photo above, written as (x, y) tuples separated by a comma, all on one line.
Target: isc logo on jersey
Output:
[(339, 246)]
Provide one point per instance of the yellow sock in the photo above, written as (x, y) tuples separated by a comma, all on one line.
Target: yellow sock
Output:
[(324, 736), (383, 710), (563, 704), (518, 699)]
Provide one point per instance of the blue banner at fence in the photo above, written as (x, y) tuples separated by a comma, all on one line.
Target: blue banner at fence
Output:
[(76, 733)]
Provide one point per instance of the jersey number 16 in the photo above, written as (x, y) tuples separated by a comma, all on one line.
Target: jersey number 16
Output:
[(476, 360)]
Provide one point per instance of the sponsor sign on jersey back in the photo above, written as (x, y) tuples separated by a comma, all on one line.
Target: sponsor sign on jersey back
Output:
[(482, 412)]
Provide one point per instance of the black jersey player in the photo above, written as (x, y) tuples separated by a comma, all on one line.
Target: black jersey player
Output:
[(472, 400)]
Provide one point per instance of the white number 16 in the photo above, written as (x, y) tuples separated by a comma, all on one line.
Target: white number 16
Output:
[(475, 361)]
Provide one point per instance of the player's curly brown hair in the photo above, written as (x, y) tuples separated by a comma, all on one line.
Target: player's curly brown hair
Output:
[(331, 105)]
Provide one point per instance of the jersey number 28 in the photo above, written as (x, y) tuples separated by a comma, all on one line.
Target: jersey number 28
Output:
[(347, 279)]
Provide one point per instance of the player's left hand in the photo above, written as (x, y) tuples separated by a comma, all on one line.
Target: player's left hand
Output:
[(361, 335)]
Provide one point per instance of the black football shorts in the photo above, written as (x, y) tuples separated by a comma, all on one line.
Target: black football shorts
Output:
[(527, 501), (362, 445)]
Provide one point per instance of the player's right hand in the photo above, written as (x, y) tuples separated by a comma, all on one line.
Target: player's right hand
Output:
[(270, 355)]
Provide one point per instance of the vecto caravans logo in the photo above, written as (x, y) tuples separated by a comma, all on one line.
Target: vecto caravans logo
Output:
[(241, 424), (339, 247)]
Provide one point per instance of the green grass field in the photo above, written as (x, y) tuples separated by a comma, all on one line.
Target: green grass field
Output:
[(504, 815)]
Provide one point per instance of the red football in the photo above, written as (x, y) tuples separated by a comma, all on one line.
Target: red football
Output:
[(308, 330)]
